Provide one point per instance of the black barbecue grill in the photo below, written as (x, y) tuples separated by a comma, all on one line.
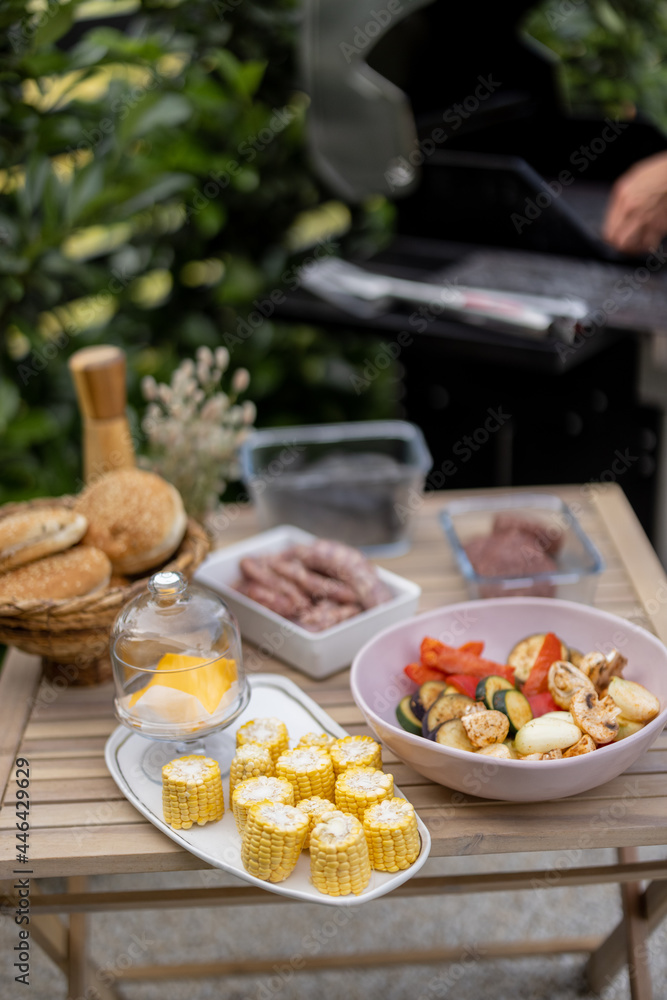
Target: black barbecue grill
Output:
[(501, 188)]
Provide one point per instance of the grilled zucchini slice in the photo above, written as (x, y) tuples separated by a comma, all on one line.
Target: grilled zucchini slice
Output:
[(446, 707), (407, 718), (452, 734), (515, 706), (488, 686), (425, 695), (523, 655)]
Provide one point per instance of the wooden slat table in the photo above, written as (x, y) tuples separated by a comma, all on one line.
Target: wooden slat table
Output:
[(81, 825)]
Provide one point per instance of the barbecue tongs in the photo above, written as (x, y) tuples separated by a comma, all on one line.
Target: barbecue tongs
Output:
[(366, 294)]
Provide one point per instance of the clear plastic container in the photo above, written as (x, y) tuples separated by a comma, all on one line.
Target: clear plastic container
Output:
[(356, 482), (578, 563)]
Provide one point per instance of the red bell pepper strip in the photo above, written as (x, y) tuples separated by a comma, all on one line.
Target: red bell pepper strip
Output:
[(472, 647), (465, 683), (418, 673), (432, 650), (429, 651), (458, 661), (541, 703), (550, 651)]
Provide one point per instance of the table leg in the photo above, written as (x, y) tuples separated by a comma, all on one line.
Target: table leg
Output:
[(636, 931), (629, 939), (65, 944), (77, 971)]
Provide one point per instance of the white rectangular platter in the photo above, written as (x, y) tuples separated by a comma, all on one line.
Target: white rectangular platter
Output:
[(219, 844), (317, 654)]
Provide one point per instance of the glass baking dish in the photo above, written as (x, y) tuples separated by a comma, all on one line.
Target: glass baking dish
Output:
[(578, 563)]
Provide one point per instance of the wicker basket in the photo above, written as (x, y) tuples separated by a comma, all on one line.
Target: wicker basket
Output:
[(72, 636)]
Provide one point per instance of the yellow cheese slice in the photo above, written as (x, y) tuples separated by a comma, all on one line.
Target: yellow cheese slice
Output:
[(208, 683)]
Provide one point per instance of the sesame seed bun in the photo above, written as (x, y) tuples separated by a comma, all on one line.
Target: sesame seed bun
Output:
[(77, 572), (136, 517), (33, 534)]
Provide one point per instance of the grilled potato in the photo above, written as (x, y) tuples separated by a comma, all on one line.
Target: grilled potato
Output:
[(635, 702)]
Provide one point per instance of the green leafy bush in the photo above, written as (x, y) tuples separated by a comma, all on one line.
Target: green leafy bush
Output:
[(153, 188), (612, 53)]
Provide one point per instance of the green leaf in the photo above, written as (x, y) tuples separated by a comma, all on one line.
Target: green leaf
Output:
[(242, 281), (55, 25), (12, 264), (86, 185), (159, 191), (250, 75), (38, 169), (12, 289), (168, 111), (10, 400), (33, 427)]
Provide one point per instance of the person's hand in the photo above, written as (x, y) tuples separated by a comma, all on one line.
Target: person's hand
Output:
[(636, 218)]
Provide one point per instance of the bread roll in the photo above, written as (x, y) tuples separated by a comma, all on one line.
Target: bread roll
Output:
[(77, 572), (37, 532), (136, 517)]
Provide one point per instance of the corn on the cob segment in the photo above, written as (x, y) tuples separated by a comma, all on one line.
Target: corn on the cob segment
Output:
[(309, 770), (250, 761), (392, 834), (339, 859), (317, 740), (247, 793), (360, 787), (272, 840), (270, 732), (192, 792), (314, 808), (355, 751)]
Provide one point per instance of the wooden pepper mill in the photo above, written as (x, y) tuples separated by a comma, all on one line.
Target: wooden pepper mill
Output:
[(99, 375)]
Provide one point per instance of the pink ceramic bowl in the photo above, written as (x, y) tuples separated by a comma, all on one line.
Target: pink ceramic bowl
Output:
[(378, 683)]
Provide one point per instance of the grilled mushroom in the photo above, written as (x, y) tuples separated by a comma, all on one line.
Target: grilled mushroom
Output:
[(564, 680), (596, 716), (600, 668), (584, 745), (485, 728)]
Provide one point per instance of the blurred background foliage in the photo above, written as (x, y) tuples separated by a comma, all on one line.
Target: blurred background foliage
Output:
[(611, 52), (154, 187)]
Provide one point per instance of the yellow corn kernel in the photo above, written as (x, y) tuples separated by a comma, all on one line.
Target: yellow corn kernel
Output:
[(250, 761), (322, 740), (314, 808), (272, 840), (339, 859), (270, 732), (261, 789), (309, 770), (355, 751), (392, 835), (360, 787), (192, 792)]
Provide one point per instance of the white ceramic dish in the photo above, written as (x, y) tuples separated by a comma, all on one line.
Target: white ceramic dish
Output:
[(317, 654), (378, 683), (219, 844)]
